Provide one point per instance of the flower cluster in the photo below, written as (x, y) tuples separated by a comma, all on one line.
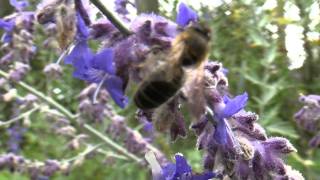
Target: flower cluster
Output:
[(35, 169), (18, 46), (308, 117), (232, 139), (234, 145), (178, 170)]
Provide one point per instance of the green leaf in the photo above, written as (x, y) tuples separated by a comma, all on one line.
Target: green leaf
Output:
[(269, 115), (271, 54), (282, 128), (257, 38), (269, 94)]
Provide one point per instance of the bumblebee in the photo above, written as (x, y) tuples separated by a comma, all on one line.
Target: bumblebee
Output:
[(188, 52)]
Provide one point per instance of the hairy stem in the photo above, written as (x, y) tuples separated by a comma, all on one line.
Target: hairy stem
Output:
[(112, 18), (112, 144), (21, 116)]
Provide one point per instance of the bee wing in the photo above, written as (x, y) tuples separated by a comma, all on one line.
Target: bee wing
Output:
[(194, 91)]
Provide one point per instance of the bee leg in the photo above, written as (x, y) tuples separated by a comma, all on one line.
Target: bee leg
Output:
[(144, 113)]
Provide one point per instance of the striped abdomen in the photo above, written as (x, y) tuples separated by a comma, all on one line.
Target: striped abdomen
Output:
[(152, 94)]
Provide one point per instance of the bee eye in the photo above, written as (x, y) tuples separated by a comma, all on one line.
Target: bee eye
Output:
[(203, 31)]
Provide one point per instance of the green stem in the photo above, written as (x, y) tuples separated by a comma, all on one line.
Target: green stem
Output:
[(112, 18), (108, 141), (111, 154), (43, 97), (87, 151), (7, 123)]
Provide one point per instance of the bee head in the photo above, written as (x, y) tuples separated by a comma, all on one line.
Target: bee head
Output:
[(201, 28)]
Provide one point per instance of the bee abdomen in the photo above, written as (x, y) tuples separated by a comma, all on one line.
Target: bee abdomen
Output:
[(153, 94)]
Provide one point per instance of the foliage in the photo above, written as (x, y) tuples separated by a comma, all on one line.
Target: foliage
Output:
[(248, 38)]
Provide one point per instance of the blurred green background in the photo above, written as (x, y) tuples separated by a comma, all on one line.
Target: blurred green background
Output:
[(271, 49)]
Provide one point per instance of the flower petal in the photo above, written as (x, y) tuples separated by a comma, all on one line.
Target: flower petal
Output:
[(234, 105), (182, 166), (114, 87), (220, 134), (80, 57), (6, 37), (7, 25), (185, 15), (104, 61), (82, 29), (169, 170), (19, 5)]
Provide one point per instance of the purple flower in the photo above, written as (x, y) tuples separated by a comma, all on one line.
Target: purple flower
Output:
[(175, 171), (158, 26), (16, 134), (19, 4), (95, 68), (185, 15), (120, 7), (224, 110), (82, 29), (234, 105), (308, 117), (7, 25)]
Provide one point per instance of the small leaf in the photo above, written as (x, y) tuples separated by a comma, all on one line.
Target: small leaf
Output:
[(282, 128)]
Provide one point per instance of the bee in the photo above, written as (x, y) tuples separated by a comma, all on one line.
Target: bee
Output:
[(189, 51)]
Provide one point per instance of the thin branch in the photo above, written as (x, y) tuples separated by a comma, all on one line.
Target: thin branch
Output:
[(21, 116), (117, 147), (87, 151), (112, 18), (43, 97)]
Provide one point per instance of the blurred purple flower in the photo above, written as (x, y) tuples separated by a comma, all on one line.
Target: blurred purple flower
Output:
[(308, 117), (19, 4), (7, 25), (120, 7), (185, 15), (154, 26), (15, 138)]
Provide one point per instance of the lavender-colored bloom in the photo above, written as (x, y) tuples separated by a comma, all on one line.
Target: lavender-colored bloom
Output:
[(120, 6), (19, 71), (7, 25), (15, 138), (185, 15), (81, 8), (159, 26), (53, 70), (19, 4), (175, 171), (82, 29), (103, 28), (308, 117), (96, 68), (224, 110), (315, 141)]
